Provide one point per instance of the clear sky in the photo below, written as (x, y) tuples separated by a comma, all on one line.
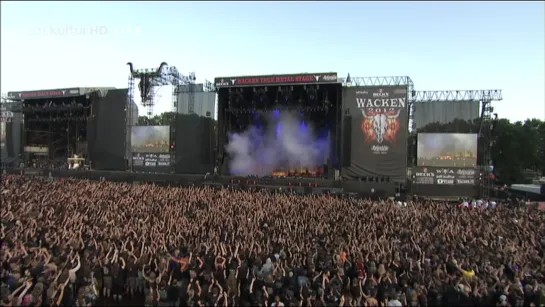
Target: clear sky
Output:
[(440, 45)]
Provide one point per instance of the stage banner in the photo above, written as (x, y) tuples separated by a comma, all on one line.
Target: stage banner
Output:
[(316, 78), (379, 131), (67, 92), (445, 176)]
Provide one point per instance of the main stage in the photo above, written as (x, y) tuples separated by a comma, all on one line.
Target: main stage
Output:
[(359, 133), (297, 185)]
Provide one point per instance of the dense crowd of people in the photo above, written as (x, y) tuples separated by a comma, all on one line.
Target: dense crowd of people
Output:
[(85, 243)]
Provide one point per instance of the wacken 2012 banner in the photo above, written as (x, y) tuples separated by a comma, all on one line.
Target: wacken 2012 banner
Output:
[(445, 176), (379, 130)]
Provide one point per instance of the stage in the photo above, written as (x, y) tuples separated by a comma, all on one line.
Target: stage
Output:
[(298, 185)]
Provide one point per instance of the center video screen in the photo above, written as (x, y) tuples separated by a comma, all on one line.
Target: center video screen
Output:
[(150, 139), (447, 149)]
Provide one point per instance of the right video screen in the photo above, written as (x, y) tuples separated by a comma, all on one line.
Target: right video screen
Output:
[(447, 149)]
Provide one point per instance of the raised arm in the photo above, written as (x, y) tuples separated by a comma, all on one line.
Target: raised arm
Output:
[(199, 290), (78, 266), (28, 284), (252, 285), (14, 293)]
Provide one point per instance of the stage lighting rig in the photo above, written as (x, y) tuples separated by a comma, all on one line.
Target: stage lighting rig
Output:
[(312, 92), (236, 99), (287, 95), (260, 99)]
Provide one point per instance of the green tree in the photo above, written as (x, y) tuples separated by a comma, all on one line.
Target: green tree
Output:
[(163, 119), (508, 162)]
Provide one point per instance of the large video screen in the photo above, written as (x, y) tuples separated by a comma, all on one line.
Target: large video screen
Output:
[(150, 139), (447, 150)]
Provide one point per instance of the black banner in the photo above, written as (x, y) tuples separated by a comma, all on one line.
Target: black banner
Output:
[(379, 131), (67, 92), (151, 160), (317, 78), (445, 176)]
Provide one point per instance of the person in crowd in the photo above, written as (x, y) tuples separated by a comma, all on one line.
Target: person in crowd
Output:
[(85, 243)]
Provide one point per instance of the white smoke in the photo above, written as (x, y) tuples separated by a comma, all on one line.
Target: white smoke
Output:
[(286, 143)]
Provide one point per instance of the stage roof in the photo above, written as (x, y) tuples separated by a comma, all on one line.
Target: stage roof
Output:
[(288, 79), (56, 93)]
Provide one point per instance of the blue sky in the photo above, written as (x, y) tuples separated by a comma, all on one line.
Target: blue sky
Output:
[(440, 45)]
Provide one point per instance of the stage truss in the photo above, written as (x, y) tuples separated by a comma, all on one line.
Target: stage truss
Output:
[(378, 81), (164, 75), (209, 86), (460, 95)]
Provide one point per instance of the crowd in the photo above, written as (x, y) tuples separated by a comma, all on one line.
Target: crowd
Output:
[(84, 243)]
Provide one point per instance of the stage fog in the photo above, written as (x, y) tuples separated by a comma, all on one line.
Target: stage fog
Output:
[(283, 141)]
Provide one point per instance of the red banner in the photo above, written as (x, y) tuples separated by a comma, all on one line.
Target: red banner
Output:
[(317, 78), (44, 94)]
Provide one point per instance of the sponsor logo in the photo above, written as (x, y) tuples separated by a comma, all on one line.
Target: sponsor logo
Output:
[(329, 78), (222, 82), (233, 81), (317, 78), (425, 175), (380, 148), (381, 94), (465, 181), (444, 171), (7, 114), (74, 92), (445, 181), (466, 172)]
